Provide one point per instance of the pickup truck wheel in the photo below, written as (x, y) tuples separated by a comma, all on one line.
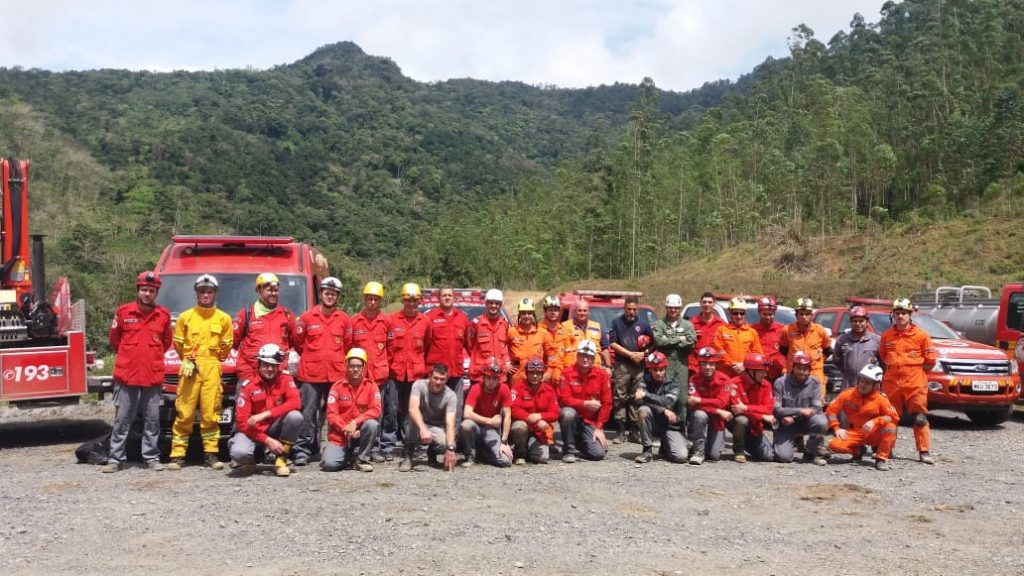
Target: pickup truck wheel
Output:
[(990, 417)]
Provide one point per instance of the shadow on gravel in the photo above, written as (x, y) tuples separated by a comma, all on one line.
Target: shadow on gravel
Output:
[(59, 431), (953, 421)]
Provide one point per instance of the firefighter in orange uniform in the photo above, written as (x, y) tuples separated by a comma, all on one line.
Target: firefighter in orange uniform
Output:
[(871, 419), (574, 331), (907, 353), (808, 337), (560, 339), (526, 340), (736, 339)]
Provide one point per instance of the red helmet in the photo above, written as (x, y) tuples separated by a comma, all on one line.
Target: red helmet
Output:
[(708, 354), (802, 358), (491, 366), (643, 341), (148, 278), (535, 365), (755, 361), (858, 312), (767, 303), (656, 360)]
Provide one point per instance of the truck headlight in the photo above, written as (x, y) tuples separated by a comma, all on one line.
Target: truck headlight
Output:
[(1014, 369), (934, 386)]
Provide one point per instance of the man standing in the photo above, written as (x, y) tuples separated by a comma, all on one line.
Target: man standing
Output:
[(488, 337), (708, 400), (662, 412), (736, 339), (264, 322), (705, 325), (353, 407), (560, 339), (798, 408), (369, 331), (139, 334), (907, 354), (487, 419), (585, 396), (871, 419), (431, 419), (321, 337), (769, 332), (534, 413), (406, 343), (526, 340), (674, 337), (808, 337), (753, 408), (202, 339), (624, 337), (267, 411), (577, 329), (446, 342), (857, 348)]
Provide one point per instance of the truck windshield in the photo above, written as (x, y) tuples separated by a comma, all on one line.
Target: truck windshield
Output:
[(936, 329), (605, 314), (236, 292)]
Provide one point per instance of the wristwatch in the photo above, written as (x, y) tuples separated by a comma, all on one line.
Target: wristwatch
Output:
[(450, 448)]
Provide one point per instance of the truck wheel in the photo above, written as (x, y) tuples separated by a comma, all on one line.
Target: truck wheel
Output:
[(991, 417)]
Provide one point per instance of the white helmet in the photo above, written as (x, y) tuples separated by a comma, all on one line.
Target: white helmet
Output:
[(872, 372), (494, 295), (587, 347), (332, 283), (674, 301), (270, 353), (206, 281)]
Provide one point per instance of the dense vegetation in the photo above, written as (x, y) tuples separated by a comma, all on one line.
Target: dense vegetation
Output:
[(920, 116)]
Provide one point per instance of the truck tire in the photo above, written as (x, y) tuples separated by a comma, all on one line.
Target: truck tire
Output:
[(990, 417)]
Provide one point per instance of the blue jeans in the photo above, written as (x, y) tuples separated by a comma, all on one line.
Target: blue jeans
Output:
[(388, 438)]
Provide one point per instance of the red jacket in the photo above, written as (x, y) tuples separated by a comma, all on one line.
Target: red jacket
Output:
[(576, 388), (277, 327), (140, 341), (372, 336), (714, 395), (486, 338), (346, 404), (323, 342), (447, 342), (758, 398), (280, 397), (525, 402), (769, 336), (705, 337), (406, 343)]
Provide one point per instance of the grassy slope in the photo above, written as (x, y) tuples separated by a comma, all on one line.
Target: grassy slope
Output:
[(879, 263)]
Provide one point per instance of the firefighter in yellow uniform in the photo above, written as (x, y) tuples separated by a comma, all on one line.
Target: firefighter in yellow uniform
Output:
[(202, 339)]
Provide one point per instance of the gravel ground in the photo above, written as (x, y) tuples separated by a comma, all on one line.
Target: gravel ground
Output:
[(961, 516)]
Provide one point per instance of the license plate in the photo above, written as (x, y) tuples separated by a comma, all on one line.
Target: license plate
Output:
[(227, 416), (985, 386)]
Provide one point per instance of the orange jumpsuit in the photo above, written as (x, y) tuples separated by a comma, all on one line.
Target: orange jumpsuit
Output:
[(735, 343), (860, 410), (905, 353), (813, 341), (570, 335), (537, 343)]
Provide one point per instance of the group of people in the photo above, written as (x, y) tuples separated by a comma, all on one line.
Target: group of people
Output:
[(395, 384)]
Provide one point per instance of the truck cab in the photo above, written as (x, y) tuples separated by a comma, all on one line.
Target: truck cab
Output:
[(235, 261)]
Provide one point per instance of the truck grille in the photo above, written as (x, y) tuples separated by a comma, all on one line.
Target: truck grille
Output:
[(967, 367)]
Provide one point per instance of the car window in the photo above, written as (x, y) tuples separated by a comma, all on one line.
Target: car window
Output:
[(880, 321), (828, 320), (1015, 311)]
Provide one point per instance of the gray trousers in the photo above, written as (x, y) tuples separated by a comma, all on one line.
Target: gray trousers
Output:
[(626, 376), (673, 444), (335, 457), (129, 401), (412, 438), (458, 385), (314, 412), (485, 441), (526, 445), (578, 436), (815, 426), (743, 441), (706, 440), (284, 429)]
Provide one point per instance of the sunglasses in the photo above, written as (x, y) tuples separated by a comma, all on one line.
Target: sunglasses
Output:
[(738, 313)]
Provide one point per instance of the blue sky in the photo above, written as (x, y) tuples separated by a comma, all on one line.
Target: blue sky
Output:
[(569, 43)]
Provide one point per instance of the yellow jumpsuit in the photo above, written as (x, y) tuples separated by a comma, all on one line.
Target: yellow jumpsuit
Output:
[(207, 331)]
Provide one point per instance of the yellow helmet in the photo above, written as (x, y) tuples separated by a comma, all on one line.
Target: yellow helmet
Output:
[(411, 290), (902, 304), (738, 304), (804, 304), (266, 278), (373, 289), (358, 353), (526, 305)]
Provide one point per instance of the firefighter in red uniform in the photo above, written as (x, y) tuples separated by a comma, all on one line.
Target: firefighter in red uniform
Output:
[(907, 353), (266, 413), (353, 407), (709, 398), (585, 396), (265, 322), (705, 325), (321, 337), (769, 331), (369, 330), (139, 334), (753, 408), (870, 417), (534, 413), (446, 343), (408, 332), (488, 337)]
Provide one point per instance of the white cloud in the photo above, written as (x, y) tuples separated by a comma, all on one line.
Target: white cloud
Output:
[(679, 43)]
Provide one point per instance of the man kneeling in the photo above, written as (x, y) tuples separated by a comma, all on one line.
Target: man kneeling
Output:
[(661, 412), (431, 420), (872, 419), (353, 406), (487, 418)]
